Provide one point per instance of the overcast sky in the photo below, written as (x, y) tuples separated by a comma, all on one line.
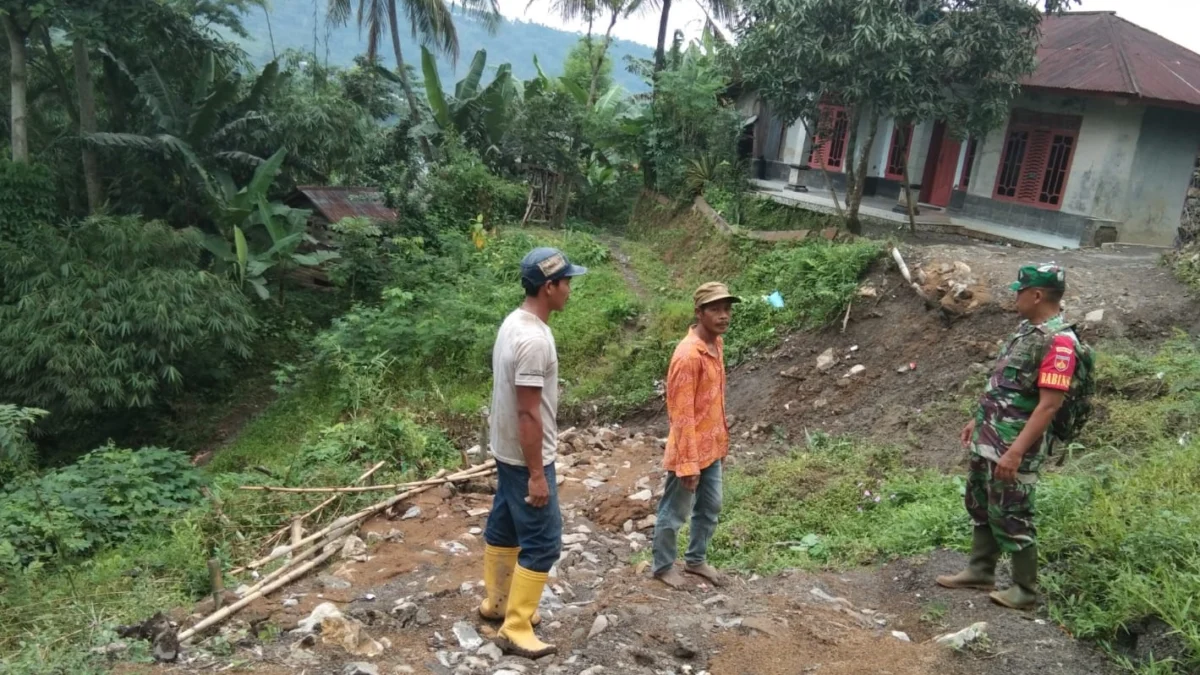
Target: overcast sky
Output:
[(1176, 20)]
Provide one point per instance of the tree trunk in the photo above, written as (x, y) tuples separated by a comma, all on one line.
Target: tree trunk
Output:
[(271, 33), (58, 74), (660, 54), (20, 89), (832, 192), (116, 100), (599, 61), (87, 124), (414, 112), (908, 196), (851, 171), (859, 180)]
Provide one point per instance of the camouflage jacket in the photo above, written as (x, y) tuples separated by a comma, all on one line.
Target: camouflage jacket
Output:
[(1012, 394)]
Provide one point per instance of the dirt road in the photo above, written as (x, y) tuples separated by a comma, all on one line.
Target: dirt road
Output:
[(411, 602)]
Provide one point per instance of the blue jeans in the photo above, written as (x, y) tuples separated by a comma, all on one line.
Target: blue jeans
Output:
[(704, 506), (513, 523)]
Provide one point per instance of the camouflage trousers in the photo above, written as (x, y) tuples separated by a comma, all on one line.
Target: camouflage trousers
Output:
[(1008, 508)]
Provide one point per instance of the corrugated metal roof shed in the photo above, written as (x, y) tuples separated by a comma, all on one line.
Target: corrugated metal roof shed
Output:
[(335, 203), (1101, 52)]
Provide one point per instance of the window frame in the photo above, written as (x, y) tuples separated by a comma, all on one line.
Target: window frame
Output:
[(888, 172), (1041, 137)]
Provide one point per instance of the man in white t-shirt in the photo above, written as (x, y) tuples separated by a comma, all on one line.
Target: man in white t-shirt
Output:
[(524, 528)]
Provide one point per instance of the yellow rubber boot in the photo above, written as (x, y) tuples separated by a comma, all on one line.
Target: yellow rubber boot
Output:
[(498, 565), (516, 635)]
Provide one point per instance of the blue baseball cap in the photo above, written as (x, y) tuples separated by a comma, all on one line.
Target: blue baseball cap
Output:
[(542, 265)]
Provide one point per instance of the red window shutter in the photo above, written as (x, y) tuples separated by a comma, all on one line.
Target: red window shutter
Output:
[(1030, 183), (829, 141), (898, 153), (1037, 158), (968, 162)]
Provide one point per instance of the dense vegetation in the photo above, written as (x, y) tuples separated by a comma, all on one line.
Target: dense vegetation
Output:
[(161, 283)]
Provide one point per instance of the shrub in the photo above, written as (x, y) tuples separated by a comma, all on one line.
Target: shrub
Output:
[(27, 196), (462, 187), (16, 452), (364, 263), (107, 314), (107, 496)]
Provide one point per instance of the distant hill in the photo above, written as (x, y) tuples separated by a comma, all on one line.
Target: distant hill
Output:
[(515, 42)]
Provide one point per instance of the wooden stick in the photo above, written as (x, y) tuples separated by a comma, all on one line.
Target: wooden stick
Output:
[(216, 581), (847, 319), (929, 303), (296, 559), (297, 531), (472, 472), (365, 513), (319, 507), (338, 524), (900, 262), (221, 615)]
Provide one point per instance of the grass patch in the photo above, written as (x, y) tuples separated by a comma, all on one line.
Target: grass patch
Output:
[(747, 210), (1119, 524), (1185, 263)]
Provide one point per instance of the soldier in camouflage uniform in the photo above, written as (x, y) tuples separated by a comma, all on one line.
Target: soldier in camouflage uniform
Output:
[(1008, 438)]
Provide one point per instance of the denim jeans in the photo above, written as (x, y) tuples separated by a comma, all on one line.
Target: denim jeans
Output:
[(513, 523), (704, 506)]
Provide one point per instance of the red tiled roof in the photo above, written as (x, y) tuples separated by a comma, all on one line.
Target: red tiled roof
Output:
[(335, 203), (1101, 52)]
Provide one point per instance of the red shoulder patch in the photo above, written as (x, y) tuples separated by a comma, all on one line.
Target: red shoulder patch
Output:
[(1058, 367)]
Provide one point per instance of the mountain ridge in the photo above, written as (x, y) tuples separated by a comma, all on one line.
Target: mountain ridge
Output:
[(516, 41)]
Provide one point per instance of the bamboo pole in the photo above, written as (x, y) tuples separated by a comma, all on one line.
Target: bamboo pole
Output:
[(465, 474), (296, 559), (297, 530), (319, 507), (216, 581), (225, 613)]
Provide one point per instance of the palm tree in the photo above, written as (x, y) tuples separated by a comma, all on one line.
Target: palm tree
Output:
[(589, 11), (430, 20), (714, 10)]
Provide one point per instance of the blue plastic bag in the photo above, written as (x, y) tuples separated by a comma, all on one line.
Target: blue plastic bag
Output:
[(775, 300)]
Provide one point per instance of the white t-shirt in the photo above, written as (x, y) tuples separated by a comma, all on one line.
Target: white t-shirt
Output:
[(524, 355)]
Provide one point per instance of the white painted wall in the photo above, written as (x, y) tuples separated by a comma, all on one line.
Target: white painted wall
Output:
[(1103, 162)]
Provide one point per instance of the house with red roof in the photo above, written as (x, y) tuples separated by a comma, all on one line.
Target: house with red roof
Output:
[(1101, 144)]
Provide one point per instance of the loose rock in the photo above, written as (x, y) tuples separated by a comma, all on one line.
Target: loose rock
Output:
[(360, 669), (354, 549), (320, 613), (964, 637), (491, 651), (598, 626), (826, 360), (412, 512), (468, 637), (642, 496)]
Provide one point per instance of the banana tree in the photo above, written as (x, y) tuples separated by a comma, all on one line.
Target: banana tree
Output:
[(199, 132), (481, 116), (247, 210)]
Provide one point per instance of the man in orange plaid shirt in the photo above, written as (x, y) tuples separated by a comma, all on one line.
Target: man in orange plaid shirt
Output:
[(698, 441)]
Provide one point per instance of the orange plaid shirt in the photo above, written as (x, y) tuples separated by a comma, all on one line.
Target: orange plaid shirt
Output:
[(696, 407)]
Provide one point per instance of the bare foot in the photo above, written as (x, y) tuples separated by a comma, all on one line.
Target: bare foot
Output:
[(672, 578), (708, 572)]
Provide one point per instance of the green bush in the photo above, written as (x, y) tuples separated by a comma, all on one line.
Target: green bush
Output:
[(27, 196), (1185, 263), (109, 495), (108, 314), (462, 187), (16, 451)]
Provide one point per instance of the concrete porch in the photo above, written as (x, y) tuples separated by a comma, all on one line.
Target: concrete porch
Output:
[(819, 199)]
